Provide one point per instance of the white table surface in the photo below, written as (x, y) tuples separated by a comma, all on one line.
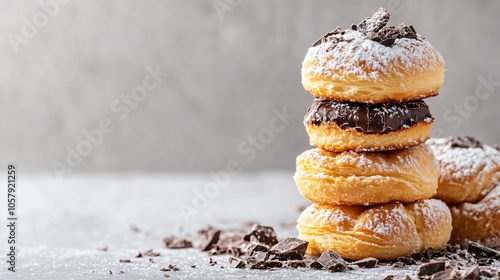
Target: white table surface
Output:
[(61, 225)]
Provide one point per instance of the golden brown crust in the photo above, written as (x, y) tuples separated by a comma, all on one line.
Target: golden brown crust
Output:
[(333, 138), (385, 232), (351, 178), (479, 222), (467, 174), (360, 70)]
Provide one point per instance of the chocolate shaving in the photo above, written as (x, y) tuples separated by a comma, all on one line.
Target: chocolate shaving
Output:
[(177, 243), (262, 234), (290, 249), (464, 142), (331, 261), (236, 263), (209, 238), (431, 268), (366, 262), (479, 251), (373, 28), (446, 275)]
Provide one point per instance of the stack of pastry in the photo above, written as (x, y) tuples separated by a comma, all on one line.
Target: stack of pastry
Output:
[(370, 178)]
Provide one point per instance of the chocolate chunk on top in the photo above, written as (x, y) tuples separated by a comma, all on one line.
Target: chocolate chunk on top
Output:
[(331, 261), (290, 248), (366, 262), (376, 22), (262, 234)]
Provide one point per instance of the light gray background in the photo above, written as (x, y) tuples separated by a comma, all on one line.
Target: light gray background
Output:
[(226, 76)]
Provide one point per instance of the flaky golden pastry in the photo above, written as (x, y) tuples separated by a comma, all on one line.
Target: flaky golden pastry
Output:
[(331, 137), (385, 232), (351, 178), (479, 222), (469, 169)]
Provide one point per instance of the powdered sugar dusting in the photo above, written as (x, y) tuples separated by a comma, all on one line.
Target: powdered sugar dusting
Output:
[(457, 163), (433, 210), (367, 60)]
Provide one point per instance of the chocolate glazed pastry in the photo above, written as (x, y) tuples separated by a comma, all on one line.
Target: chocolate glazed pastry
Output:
[(366, 118)]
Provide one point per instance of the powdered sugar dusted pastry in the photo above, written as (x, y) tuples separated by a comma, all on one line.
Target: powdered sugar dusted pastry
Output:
[(479, 222), (469, 169), (342, 126), (373, 63), (351, 178), (385, 232)]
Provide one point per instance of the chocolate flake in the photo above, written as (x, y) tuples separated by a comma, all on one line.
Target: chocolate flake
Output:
[(331, 261), (236, 262), (150, 253), (125, 261), (295, 263), (479, 251), (139, 255), (290, 249), (209, 238), (446, 275), (431, 268), (389, 277), (177, 243), (464, 142), (472, 274), (262, 234), (366, 263), (376, 22)]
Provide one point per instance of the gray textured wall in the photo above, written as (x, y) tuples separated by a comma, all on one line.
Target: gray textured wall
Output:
[(228, 70)]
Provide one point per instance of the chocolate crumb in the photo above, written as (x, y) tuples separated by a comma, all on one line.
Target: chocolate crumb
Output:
[(472, 274), (366, 263), (209, 238), (464, 142), (389, 277), (290, 249), (121, 272), (262, 234), (406, 260), (193, 266), (479, 251), (331, 261), (295, 263), (125, 261), (211, 262), (236, 262), (430, 268), (139, 255), (151, 260), (446, 275), (397, 265), (166, 275), (177, 243), (150, 253), (110, 272)]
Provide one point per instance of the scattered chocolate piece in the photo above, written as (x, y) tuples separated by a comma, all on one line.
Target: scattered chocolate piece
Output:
[(121, 272), (430, 268), (193, 266), (110, 272), (125, 261), (236, 263), (290, 248), (166, 275), (229, 240), (472, 274), (209, 239), (272, 264), (177, 243), (485, 261), (479, 251), (446, 275), (151, 260), (464, 142), (389, 277), (257, 247), (150, 253), (211, 262), (488, 273), (331, 261), (170, 267), (262, 234), (406, 260), (407, 277), (427, 254), (139, 255), (398, 265), (296, 263), (366, 263), (258, 257)]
